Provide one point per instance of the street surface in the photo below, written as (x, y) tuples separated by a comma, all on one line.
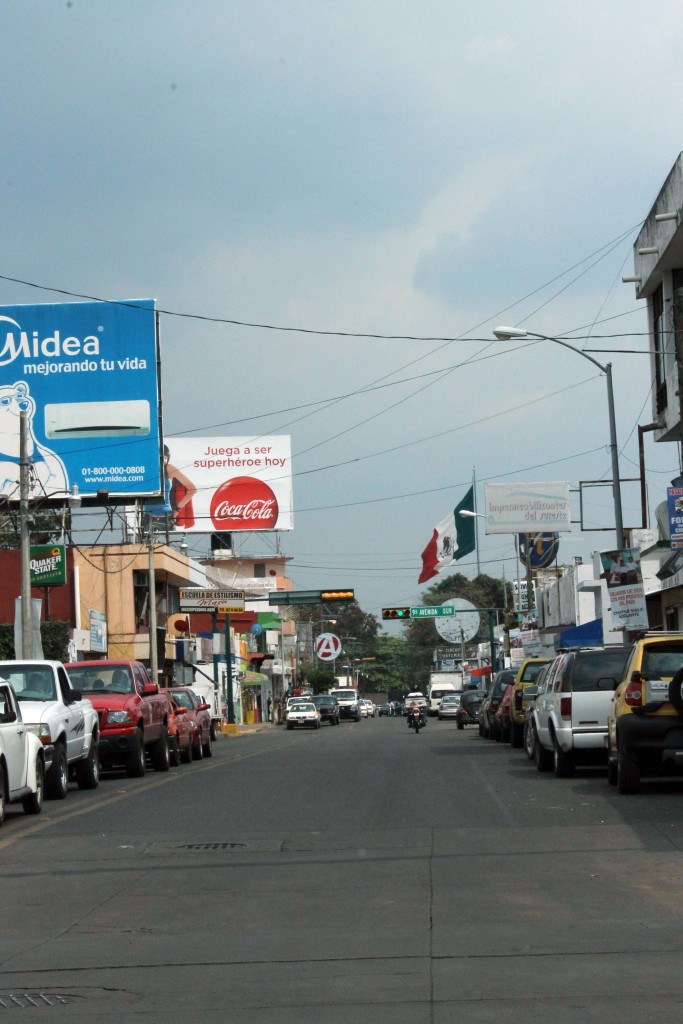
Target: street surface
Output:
[(349, 875)]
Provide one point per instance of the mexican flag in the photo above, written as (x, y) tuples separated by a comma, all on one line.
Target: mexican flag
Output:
[(453, 538)]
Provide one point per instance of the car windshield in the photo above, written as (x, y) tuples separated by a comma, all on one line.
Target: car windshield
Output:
[(303, 707), (183, 698), (531, 671), (30, 682), (102, 679), (344, 695), (662, 660)]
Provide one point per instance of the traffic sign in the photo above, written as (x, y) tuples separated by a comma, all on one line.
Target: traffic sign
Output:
[(195, 599), (328, 646), (431, 611)]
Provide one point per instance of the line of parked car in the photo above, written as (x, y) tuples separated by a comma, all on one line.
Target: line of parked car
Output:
[(620, 706), (64, 722)]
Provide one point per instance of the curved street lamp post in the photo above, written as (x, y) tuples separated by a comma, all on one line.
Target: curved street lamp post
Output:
[(507, 334)]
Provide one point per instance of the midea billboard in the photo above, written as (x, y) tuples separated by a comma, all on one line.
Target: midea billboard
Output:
[(87, 375)]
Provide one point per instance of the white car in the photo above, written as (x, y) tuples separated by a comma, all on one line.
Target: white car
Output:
[(304, 714), (66, 724), (24, 760), (371, 708)]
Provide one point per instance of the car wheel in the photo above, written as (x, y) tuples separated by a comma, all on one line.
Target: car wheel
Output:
[(33, 804), (186, 755), (198, 750), (529, 740), (461, 725), (207, 749), (57, 782), (612, 770), (516, 735), (676, 692), (135, 766), (563, 763), (2, 796), (160, 758), (214, 734), (290, 725), (88, 771), (481, 730), (174, 752), (543, 758), (628, 772)]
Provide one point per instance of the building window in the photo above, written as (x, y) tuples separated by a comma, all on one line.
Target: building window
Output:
[(659, 338), (259, 570), (677, 285), (671, 616)]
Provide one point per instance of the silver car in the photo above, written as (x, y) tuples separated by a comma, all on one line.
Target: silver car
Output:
[(448, 708)]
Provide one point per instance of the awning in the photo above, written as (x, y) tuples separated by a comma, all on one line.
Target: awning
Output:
[(484, 670), (254, 679), (587, 635)]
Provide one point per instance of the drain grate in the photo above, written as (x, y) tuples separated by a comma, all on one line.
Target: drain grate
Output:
[(30, 1000), (213, 846)]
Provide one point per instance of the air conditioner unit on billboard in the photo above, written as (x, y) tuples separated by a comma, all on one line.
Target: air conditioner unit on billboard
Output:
[(97, 419)]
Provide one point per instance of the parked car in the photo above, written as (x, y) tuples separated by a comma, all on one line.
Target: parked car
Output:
[(448, 707), (467, 712), (63, 720), (305, 715), (531, 695), (489, 705), (328, 708), (570, 719), (386, 709), (182, 733), (133, 715), (502, 722), (199, 712), (525, 676), (363, 705), (372, 708), (22, 758), (645, 718)]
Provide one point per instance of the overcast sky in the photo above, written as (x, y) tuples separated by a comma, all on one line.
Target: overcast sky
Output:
[(424, 169)]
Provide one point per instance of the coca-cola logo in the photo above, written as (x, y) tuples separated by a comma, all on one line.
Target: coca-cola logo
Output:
[(244, 503)]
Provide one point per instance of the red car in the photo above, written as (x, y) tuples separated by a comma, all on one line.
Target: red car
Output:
[(502, 722), (199, 713), (182, 732)]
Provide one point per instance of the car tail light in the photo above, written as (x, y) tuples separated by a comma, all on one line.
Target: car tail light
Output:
[(566, 707), (633, 694), (518, 700)]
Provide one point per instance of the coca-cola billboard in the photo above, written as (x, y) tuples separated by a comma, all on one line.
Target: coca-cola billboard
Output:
[(217, 484)]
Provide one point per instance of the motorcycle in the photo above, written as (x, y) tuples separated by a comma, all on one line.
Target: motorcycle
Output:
[(416, 719)]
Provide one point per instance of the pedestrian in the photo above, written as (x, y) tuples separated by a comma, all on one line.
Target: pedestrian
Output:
[(270, 710)]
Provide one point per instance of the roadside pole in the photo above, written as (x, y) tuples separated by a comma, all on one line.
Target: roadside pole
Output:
[(25, 538), (232, 727)]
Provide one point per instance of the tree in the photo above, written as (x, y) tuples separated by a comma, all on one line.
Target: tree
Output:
[(395, 666), (319, 679)]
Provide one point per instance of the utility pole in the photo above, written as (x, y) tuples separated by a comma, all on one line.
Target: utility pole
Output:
[(151, 579), (25, 540)]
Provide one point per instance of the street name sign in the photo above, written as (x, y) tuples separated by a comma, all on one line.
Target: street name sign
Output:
[(194, 599), (431, 611)]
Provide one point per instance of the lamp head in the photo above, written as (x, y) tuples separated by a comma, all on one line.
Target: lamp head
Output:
[(507, 333)]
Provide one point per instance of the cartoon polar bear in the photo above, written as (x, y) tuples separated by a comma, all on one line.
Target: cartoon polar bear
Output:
[(48, 473)]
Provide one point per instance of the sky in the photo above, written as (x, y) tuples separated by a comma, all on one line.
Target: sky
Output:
[(415, 170)]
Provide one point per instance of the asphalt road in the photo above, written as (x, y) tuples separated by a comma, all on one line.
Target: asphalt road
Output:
[(350, 875)]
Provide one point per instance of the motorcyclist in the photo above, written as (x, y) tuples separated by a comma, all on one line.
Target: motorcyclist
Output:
[(415, 709)]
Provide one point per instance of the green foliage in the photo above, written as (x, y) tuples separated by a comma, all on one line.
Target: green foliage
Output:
[(46, 526), (55, 637), (395, 665), (319, 679)]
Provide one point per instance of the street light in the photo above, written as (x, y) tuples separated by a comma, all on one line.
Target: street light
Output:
[(507, 334)]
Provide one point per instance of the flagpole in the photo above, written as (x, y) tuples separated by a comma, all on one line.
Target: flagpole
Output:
[(476, 526)]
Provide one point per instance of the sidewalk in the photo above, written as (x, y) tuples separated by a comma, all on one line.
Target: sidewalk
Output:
[(245, 730)]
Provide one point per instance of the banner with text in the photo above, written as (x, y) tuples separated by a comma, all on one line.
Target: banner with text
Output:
[(218, 484), (527, 508), (622, 572)]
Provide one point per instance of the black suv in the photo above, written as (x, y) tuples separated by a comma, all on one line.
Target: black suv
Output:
[(328, 708)]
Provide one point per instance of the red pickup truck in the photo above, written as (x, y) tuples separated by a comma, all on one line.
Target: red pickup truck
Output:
[(133, 713)]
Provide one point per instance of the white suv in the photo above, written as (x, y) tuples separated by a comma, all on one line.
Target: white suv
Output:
[(349, 703)]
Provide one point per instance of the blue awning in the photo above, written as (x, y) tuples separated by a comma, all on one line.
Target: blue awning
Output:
[(587, 635)]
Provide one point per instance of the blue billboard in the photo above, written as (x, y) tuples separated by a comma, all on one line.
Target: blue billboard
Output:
[(86, 374)]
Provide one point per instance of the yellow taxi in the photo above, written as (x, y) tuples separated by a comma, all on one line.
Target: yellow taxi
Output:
[(645, 722), (526, 676)]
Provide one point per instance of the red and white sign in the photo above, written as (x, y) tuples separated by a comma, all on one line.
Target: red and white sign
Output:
[(327, 646), (233, 484)]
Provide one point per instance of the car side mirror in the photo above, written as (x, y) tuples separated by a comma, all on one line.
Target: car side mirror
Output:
[(149, 689), (8, 717), (180, 711), (73, 696), (204, 707)]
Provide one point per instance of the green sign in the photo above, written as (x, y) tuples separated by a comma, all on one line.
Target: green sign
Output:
[(48, 565), (431, 611)]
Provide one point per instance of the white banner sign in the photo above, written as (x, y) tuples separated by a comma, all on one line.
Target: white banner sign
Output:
[(621, 570), (527, 508)]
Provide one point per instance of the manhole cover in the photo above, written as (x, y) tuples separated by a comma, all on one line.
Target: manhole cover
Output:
[(29, 1000), (213, 846)]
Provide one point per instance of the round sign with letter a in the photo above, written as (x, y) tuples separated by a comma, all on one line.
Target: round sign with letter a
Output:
[(327, 646)]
